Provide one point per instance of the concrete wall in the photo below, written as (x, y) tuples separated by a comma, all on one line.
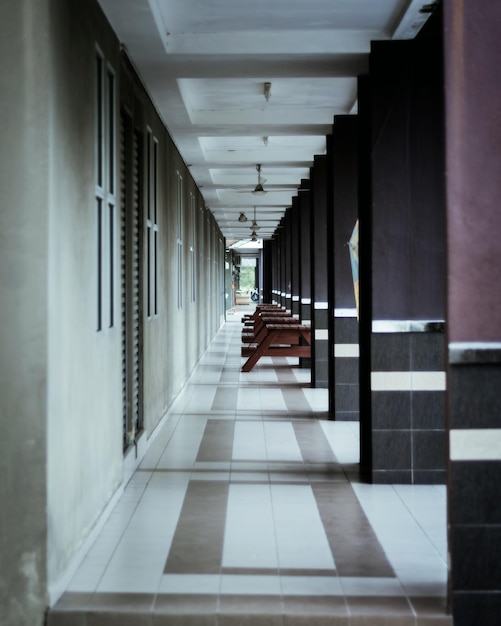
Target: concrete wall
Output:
[(61, 453), (84, 449), (23, 309)]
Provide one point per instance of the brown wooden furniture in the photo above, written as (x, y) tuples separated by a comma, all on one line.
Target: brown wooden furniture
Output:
[(282, 339)]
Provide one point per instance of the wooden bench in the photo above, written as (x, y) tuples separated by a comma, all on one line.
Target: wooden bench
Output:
[(279, 340), (252, 333), (263, 308)]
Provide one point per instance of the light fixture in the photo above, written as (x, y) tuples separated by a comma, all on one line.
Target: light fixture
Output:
[(254, 226), (267, 91), (242, 217), (253, 236), (265, 140), (259, 190)]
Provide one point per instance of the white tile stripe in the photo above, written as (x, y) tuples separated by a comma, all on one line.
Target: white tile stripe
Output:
[(345, 312), (474, 352), (408, 381), (268, 584), (347, 350), (321, 334), (475, 444)]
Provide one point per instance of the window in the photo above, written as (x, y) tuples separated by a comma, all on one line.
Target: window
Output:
[(152, 223), (180, 211), (105, 191), (193, 256)]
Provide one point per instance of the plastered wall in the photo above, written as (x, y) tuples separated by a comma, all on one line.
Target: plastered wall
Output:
[(61, 453)]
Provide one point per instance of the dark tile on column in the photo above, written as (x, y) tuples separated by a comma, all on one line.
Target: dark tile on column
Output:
[(346, 330), (346, 397), (392, 477), (472, 609), (305, 312), (391, 409), (429, 477), (346, 370), (391, 449), (427, 352), (390, 352), (476, 565), (428, 410), (428, 450), (321, 350), (347, 416), (474, 493), (321, 318), (475, 401), (321, 374)]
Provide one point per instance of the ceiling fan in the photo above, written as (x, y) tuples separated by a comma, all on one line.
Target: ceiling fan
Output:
[(259, 189), (242, 218), (254, 226)]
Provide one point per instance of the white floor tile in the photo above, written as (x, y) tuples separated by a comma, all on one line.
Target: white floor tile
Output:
[(250, 585), (249, 539), (301, 538)]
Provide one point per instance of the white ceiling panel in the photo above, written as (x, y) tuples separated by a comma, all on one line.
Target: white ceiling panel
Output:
[(205, 63)]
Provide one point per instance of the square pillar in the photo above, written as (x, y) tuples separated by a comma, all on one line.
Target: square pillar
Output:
[(473, 139), (402, 261)]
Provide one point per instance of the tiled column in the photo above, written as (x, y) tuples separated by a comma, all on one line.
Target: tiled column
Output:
[(402, 261), (344, 353), (283, 263), (319, 275), (267, 270), (305, 255), (408, 402), (295, 249), (473, 139), (304, 197), (275, 292), (288, 261)]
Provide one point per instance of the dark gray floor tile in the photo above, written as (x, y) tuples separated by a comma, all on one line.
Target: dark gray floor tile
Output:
[(354, 545), (198, 541), (380, 611)]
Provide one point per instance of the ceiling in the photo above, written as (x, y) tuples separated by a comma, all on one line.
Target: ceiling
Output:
[(205, 64)]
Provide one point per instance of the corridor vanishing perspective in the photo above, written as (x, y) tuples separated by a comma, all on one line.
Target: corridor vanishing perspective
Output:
[(248, 509)]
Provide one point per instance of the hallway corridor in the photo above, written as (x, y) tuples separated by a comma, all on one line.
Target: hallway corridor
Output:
[(248, 509)]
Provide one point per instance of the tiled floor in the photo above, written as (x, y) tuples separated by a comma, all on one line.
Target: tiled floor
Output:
[(247, 509)]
